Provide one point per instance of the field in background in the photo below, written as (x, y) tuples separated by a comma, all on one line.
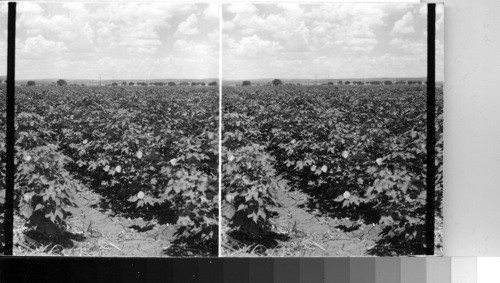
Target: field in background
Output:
[(327, 170), (116, 171)]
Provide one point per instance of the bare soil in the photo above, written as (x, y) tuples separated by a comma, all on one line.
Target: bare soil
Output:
[(95, 231)]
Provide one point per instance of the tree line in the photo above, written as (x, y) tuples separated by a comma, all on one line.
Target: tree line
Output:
[(277, 82), (62, 82)]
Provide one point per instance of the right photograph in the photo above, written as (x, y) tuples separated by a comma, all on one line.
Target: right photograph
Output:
[(324, 130)]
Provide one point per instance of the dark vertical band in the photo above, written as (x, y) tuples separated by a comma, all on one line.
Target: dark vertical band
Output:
[(10, 139), (431, 130)]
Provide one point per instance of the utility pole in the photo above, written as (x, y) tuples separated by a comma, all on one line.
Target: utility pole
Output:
[(315, 79), (99, 80)]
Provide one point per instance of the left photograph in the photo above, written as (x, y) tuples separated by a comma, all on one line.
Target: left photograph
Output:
[(117, 118)]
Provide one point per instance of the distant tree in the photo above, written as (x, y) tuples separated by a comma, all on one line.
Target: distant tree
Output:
[(339, 82), (124, 83), (375, 82), (184, 83), (277, 82), (388, 82), (61, 82), (400, 82), (347, 82), (298, 84), (202, 84), (246, 83), (31, 83), (193, 83), (131, 83), (330, 83), (114, 84), (171, 84), (414, 82), (214, 83)]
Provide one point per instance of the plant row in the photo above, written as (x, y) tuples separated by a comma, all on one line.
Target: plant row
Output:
[(358, 152), (144, 150)]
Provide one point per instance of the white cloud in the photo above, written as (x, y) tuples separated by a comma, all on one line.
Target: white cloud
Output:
[(3, 8), (229, 25), (76, 7), (423, 10), (357, 44), (292, 10), (38, 46), (212, 11), (440, 21), (337, 39), (35, 23), (296, 43), (353, 30), (241, 8), (3, 54), (195, 49), (188, 27), (254, 46), (404, 25), (29, 8), (439, 9), (414, 47), (130, 40), (3, 38), (213, 37)]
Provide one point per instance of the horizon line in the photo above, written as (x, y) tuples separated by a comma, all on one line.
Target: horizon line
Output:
[(115, 79), (323, 79)]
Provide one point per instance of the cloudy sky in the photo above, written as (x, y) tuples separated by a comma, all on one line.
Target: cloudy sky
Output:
[(3, 39), (331, 40), (120, 40)]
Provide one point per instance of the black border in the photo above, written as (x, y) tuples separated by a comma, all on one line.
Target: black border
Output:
[(10, 138), (431, 130)]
